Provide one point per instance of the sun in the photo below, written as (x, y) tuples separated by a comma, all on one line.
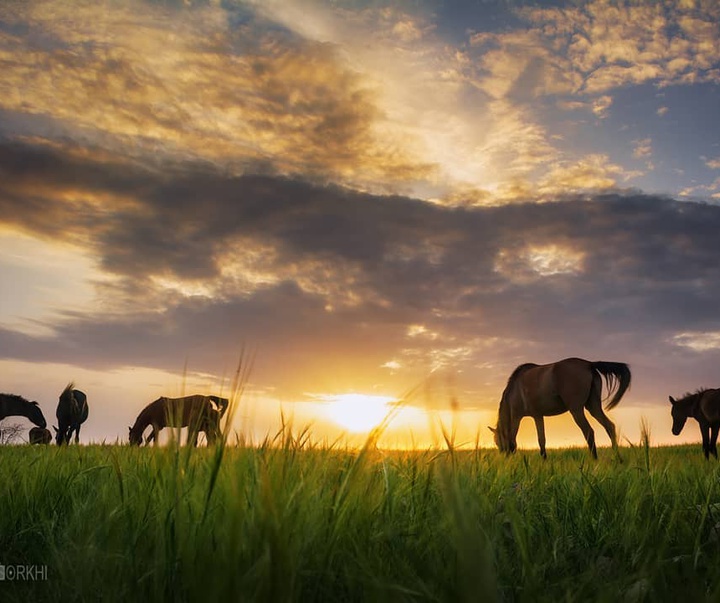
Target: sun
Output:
[(358, 412)]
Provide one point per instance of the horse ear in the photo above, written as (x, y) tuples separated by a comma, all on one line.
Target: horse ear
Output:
[(35, 403), (492, 429), (672, 400)]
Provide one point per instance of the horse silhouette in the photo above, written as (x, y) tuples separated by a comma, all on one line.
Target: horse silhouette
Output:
[(197, 413), (39, 435), (12, 405), (570, 385), (72, 411), (704, 407)]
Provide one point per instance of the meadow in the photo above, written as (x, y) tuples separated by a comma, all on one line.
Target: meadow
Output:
[(290, 521)]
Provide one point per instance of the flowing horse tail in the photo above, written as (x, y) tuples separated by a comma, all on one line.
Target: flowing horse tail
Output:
[(617, 377)]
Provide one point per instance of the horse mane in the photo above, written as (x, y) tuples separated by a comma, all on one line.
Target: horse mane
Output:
[(16, 398), (691, 396), (148, 411), (504, 412), (520, 369)]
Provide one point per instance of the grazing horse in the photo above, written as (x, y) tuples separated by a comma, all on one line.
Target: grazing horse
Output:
[(40, 435), (197, 413), (704, 407), (220, 403), (572, 385), (72, 411), (14, 405)]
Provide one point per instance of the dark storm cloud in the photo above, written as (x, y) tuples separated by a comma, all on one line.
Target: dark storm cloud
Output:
[(352, 271)]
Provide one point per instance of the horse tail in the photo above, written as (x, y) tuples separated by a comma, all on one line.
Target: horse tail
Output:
[(221, 403), (222, 406), (617, 378)]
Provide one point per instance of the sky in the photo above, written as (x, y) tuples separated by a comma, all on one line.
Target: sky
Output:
[(369, 201)]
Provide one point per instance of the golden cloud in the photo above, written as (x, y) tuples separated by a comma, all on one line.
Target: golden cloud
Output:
[(643, 148), (594, 47), (180, 83)]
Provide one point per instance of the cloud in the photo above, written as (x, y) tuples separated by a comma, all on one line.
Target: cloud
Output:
[(593, 172), (643, 148), (372, 98), (698, 342), (596, 46), (601, 106), (331, 284), (713, 164), (182, 83)]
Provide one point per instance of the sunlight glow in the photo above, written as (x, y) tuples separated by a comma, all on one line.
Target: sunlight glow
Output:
[(536, 261), (548, 260), (358, 412)]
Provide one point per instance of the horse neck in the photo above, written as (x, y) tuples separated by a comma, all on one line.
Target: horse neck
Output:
[(505, 413), (145, 417), (14, 406), (691, 405), (68, 406)]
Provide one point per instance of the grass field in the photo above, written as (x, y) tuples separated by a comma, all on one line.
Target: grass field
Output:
[(289, 521)]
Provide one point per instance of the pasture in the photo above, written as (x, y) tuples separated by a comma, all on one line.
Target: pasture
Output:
[(288, 521)]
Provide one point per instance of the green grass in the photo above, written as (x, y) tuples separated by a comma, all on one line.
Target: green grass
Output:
[(294, 522)]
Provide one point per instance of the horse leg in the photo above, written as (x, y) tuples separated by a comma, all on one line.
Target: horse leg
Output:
[(713, 438), (584, 425), (540, 426), (705, 433), (77, 434), (602, 418), (211, 433)]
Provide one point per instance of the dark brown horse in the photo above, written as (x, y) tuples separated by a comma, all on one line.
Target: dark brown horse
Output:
[(72, 411), (570, 385), (197, 413), (39, 435), (704, 407), (12, 405)]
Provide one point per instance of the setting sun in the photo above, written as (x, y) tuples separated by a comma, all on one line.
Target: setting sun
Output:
[(358, 412)]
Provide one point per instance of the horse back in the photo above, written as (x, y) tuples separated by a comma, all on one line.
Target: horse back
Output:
[(179, 412), (552, 389), (710, 405), (81, 401)]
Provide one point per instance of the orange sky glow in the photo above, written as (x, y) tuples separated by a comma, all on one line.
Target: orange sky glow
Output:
[(388, 205)]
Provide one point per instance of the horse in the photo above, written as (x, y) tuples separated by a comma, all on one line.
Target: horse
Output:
[(39, 435), (221, 404), (14, 405), (72, 411), (198, 413), (704, 407), (569, 385)]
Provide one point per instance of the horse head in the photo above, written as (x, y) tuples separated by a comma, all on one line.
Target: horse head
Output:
[(679, 416), (503, 439), (59, 438), (40, 435), (135, 436)]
